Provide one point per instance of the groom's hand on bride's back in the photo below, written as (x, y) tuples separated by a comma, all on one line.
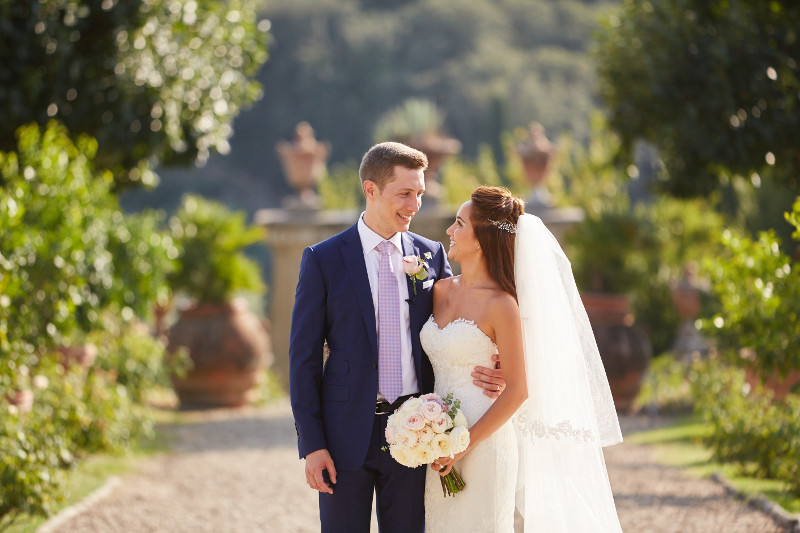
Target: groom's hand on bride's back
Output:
[(490, 379), (316, 463)]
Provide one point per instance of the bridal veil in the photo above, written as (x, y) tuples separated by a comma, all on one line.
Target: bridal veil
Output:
[(569, 414)]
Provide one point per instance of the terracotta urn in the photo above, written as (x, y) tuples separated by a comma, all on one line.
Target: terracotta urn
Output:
[(624, 346), (228, 346)]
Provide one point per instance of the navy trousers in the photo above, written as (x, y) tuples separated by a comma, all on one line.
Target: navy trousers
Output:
[(400, 493)]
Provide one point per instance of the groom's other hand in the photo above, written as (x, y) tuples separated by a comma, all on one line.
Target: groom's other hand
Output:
[(316, 462), (490, 379)]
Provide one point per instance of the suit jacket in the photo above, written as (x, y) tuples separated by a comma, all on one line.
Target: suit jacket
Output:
[(334, 406)]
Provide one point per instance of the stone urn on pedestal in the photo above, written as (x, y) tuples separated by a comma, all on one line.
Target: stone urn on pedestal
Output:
[(538, 155), (303, 162)]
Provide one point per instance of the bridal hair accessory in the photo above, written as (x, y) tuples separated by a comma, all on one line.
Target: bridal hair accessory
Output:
[(505, 226)]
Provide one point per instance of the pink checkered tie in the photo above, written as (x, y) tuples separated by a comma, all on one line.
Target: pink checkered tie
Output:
[(390, 379)]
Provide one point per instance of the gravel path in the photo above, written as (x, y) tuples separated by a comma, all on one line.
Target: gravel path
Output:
[(237, 471)]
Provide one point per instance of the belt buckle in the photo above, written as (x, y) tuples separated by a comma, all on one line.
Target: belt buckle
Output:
[(383, 407)]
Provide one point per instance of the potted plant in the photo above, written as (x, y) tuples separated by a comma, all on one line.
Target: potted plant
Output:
[(607, 253), (227, 342)]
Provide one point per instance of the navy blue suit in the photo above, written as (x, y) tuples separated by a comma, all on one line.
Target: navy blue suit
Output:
[(334, 408)]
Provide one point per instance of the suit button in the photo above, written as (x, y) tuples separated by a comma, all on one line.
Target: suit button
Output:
[(375, 366)]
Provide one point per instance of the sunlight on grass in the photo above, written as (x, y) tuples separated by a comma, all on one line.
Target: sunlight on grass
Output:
[(680, 445)]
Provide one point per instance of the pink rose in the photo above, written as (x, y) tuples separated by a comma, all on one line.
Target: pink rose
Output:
[(430, 410), (433, 397), (412, 265), (414, 422)]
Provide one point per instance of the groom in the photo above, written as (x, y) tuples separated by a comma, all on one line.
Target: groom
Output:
[(354, 294)]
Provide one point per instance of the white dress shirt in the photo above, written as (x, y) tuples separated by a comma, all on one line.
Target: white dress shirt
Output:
[(369, 240)]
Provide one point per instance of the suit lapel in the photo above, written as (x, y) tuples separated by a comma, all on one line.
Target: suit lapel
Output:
[(414, 309), (356, 268)]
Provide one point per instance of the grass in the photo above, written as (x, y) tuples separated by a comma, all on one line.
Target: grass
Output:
[(680, 445)]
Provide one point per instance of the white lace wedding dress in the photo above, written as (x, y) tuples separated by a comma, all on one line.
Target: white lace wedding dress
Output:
[(489, 470)]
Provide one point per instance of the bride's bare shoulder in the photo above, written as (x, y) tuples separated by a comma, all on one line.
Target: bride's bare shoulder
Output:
[(502, 307)]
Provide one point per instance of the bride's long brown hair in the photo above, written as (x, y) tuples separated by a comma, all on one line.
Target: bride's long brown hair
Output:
[(497, 244)]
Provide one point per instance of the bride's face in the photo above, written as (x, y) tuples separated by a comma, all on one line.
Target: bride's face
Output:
[(462, 237)]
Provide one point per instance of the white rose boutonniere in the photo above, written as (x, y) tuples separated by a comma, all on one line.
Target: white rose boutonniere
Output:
[(416, 268)]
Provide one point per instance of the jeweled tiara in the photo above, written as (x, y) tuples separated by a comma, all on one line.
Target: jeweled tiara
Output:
[(506, 226)]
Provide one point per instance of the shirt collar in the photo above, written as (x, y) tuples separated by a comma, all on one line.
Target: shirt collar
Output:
[(370, 239)]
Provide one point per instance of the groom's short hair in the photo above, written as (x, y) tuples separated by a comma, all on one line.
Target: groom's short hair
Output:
[(378, 163)]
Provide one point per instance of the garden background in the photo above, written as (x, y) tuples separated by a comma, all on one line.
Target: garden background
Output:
[(139, 139)]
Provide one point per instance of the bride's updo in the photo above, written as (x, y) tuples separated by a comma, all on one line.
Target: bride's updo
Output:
[(494, 216)]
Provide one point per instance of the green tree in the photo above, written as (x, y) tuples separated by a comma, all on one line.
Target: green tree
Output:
[(153, 82), (713, 84)]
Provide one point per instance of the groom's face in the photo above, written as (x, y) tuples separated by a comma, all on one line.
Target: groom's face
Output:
[(391, 208)]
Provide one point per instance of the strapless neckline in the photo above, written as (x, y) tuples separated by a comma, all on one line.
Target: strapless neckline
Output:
[(456, 321)]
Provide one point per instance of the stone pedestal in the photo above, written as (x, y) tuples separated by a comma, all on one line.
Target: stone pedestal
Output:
[(289, 232)]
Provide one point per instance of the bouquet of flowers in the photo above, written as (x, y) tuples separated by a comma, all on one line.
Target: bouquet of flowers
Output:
[(426, 428)]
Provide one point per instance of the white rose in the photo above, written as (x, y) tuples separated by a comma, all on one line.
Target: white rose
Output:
[(430, 410), (460, 420), (441, 445), (410, 405), (425, 436), (403, 455), (406, 438), (424, 454), (459, 439), (391, 433)]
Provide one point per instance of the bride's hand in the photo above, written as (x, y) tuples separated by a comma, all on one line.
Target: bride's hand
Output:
[(443, 465)]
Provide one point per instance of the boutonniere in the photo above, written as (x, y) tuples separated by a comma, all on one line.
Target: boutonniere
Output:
[(416, 268)]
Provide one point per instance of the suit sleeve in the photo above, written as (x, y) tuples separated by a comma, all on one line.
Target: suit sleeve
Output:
[(305, 355)]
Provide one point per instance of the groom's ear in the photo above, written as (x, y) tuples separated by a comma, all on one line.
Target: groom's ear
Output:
[(370, 189)]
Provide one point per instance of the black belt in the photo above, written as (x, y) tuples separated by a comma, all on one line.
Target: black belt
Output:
[(383, 407)]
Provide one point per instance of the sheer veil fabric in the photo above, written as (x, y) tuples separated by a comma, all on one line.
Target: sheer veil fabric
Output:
[(569, 415)]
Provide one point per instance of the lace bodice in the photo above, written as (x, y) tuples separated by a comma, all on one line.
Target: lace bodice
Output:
[(454, 351)]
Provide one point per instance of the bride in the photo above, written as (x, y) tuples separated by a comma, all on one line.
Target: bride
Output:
[(537, 448)]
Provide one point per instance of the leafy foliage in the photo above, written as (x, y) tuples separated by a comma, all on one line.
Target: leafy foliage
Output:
[(213, 266), (748, 428), (68, 258), (759, 292), (67, 249), (151, 81), (714, 85)]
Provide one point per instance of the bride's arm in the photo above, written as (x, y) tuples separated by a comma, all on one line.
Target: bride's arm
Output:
[(505, 322)]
